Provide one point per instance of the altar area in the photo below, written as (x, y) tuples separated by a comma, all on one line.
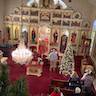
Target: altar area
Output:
[(47, 27)]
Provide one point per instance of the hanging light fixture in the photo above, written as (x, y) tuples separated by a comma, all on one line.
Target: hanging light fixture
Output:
[(70, 1), (21, 54)]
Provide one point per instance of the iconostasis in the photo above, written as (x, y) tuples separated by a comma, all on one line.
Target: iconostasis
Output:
[(47, 28)]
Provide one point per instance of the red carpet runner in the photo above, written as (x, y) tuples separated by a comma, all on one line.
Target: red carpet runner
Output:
[(37, 85)]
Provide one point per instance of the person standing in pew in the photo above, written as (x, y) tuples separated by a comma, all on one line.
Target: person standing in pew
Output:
[(74, 80), (87, 87)]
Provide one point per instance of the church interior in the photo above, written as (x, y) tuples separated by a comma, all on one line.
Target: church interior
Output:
[(47, 47)]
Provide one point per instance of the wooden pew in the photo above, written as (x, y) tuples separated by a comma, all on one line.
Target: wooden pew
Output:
[(63, 85)]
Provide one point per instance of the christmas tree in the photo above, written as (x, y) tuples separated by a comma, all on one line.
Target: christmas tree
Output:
[(21, 87), (18, 88), (4, 81), (67, 62)]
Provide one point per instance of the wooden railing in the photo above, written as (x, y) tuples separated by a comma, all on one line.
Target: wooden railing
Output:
[(63, 85)]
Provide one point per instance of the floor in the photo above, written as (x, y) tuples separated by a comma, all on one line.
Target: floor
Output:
[(38, 86), (39, 83)]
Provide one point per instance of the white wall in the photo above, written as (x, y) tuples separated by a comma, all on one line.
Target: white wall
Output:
[(93, 18), (82, 6), (93, 15), (10, 5), (91, 54)]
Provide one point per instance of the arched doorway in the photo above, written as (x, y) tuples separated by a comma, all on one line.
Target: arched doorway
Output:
[(44, 39)]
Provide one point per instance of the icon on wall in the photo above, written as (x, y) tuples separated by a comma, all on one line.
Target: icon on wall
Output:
[(63, 43), (33, 36)]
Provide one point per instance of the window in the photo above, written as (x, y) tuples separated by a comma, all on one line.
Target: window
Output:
[(64, 6), (32, 1), (55, 2), (93, 35)]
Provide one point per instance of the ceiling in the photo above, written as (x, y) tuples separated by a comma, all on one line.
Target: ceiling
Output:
[(93, 2)]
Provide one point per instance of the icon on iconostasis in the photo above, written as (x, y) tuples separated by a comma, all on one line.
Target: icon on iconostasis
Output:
[(84, 36), (8, 32), (86, 47), (16, 33), (0, 33), (33, 36), (63, 43), (73, 38), (25, 36), (83, 39), (46, 3), (55, 37)]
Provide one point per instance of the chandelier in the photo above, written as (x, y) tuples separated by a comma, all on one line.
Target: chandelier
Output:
[(21, 54)]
